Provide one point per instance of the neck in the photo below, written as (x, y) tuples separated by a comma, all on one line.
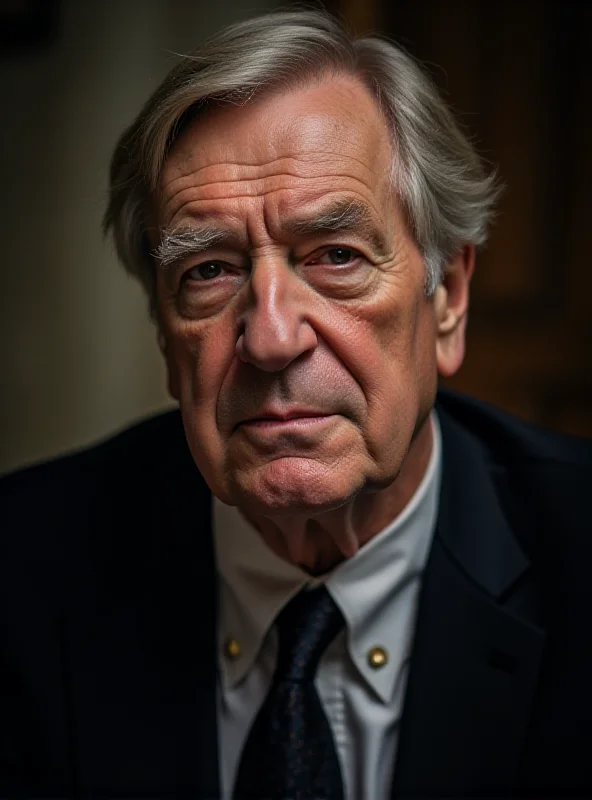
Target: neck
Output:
[(319, 543)]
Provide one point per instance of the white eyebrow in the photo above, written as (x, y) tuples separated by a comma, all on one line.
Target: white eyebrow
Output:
[(338, 216), (348, 215), (178, 244)]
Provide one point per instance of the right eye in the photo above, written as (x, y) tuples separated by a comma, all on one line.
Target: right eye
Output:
[(204, 272)]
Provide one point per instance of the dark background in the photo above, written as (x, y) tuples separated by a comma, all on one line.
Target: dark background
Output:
[(78, 353)]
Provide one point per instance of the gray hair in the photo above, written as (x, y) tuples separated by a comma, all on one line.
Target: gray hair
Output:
[(445, 191)]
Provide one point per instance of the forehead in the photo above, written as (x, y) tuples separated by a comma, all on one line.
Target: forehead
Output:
[(325, 136)]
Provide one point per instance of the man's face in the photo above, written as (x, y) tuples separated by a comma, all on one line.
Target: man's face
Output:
[(299, 343)]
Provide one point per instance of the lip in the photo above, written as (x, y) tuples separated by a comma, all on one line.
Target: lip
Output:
[(296, 417)]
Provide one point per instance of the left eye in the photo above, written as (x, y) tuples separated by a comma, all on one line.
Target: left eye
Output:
[(205, 272), (337, 256)]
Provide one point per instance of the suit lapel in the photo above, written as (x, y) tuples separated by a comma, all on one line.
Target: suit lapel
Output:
[(474, 665)]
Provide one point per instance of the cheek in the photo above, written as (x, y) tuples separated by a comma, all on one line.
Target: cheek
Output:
[(197, 350), (211, 352), (199, 355), (398, 372)]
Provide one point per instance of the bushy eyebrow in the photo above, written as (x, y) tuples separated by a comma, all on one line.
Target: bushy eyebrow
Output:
[(180, 243), (342, 215)]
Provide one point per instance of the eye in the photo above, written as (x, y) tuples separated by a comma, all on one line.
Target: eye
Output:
[(340, 255), (204, 272), (336, 256)]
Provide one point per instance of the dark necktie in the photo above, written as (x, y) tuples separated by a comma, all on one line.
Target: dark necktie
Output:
[(290, 753)]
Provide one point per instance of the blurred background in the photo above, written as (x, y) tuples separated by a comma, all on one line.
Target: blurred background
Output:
[(78, 354)]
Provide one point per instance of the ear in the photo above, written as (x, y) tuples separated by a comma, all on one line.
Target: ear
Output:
[(172, 378), (451, 303)]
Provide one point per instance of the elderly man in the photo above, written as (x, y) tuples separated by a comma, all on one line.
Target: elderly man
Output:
[(315, 581)]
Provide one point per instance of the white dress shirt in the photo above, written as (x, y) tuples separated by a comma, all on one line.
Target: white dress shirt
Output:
[(377, 591)]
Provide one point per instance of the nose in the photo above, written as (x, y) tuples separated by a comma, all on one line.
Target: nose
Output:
[(275, 329)]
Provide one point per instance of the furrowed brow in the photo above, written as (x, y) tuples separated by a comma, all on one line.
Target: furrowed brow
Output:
[(342, 216), (177, 245)]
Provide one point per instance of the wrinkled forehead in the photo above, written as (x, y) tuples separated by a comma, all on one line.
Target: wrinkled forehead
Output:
[(334, 123)]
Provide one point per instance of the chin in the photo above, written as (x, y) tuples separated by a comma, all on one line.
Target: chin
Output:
[(292, 486)]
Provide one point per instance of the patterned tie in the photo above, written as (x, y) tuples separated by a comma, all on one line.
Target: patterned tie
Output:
[(290, 753)]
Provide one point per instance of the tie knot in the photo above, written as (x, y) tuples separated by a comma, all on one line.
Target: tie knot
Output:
[(306, 627)]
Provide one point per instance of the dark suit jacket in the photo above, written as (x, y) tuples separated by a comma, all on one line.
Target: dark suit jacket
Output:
[(108, 620)]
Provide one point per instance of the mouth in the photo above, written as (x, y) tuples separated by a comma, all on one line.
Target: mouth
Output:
[(288, 420)]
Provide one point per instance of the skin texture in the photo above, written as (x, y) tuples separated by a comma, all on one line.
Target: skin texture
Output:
[(268, 324)]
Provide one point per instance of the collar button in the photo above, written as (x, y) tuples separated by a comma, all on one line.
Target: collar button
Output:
[(232, 649), (377, 657)]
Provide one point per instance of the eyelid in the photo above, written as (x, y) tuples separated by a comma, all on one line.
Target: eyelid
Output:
[(228, 270), (321, 251), (200, 261), (219, 255), (190, 267)]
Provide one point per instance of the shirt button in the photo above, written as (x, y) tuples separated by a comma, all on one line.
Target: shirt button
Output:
[(232, 649), (377, 657)]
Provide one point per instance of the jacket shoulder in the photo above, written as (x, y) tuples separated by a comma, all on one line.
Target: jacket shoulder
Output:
[(507, 440), (64, 491), (135, 442), (541, 479)]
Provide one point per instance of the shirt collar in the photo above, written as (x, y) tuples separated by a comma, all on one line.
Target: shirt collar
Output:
[(373, 588)]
